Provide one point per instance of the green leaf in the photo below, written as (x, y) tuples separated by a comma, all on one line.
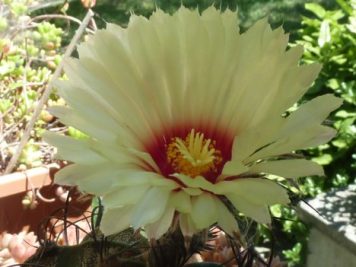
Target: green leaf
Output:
[(323, 159), (345, 114), (345, 6), (316, 9), (5, 104), (276, 211), (338, 59), (336, 15), (293, 254), (76, 134), (3, 24), (339, 143), (333, 84), (324, 33), (352, 25)]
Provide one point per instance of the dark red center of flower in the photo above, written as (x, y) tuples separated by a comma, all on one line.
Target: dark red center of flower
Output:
[(192, 151)]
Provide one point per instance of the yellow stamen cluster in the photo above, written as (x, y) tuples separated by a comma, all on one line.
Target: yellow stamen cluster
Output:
[(194, 155)]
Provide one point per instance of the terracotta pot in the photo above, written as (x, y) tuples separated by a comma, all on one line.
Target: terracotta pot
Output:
[(16, 191)]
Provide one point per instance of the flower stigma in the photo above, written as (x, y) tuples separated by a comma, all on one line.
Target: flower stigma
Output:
[(194, 155)]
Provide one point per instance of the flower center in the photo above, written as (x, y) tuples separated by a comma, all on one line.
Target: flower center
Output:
[(193, 156)]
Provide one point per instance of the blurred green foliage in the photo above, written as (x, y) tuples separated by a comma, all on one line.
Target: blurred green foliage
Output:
[(329, 37), (29, 53), (279, 12)]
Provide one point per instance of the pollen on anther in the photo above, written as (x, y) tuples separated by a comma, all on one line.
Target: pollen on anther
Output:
[(194, 155)]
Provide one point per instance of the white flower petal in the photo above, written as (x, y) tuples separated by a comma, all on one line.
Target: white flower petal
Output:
[(151, 207), (91, 152), (115, 220), (255, 190), (192, 191), (204, 210), (302, 128), (181, 201), (103, 115), (309, 137), (258, 212), (100, 179), (79, 151), (313, 112), (78, 174), (196, 182), (232, 168), (250, 140), (129, 110), (158, 228), (125, 196), (186, 224), (69, 117), (226, 220), (293, 168)]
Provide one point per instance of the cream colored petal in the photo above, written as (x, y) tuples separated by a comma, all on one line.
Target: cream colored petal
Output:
[(186, 224), (183, 58), (171, 70), (70, 117), (77, 173), (258, 212), (263, 55), (124, 196), (147, 51), (131, 108), (301, 129), (157, 229), (260, 51), (161, 181), (196, 182), (232, 168), (312, 136), (145, 158), (115, 220), (101, 179), (151, 207), (142, 57), (226, 220), (92, 152), (98, 181), (288, 168), (202, 62), (255, 190), (204, 210), (103, 116), (250, 140), (295, 82), (312, 113), (181, 201), (119, 154), (70, 149), (192, 191)]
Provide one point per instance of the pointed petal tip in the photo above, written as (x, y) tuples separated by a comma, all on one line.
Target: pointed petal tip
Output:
[(63, 177)]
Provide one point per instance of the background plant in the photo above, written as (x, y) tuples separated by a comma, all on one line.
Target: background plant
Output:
[(31, 47), (329, 37), (29, 52)]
